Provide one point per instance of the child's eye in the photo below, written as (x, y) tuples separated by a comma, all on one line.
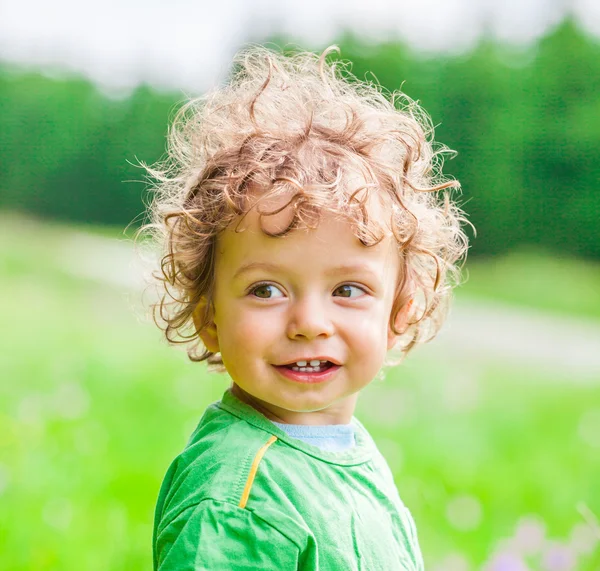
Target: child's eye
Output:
[(348, 290), (266, 291)]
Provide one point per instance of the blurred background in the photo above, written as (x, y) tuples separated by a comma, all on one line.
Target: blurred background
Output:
[(492, 431)]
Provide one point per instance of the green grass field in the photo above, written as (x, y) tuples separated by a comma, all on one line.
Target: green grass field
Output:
[(498, 464)]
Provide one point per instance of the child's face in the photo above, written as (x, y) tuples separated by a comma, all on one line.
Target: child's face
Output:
[(310, 295)]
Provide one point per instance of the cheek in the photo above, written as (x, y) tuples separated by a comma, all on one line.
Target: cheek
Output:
[(369, 336), (246, 332), (376, 321)]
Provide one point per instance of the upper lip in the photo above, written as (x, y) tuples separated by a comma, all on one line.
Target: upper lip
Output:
[(311, 358)]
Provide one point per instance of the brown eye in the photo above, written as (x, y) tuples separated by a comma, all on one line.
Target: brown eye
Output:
[(348, 290), (266, 291)]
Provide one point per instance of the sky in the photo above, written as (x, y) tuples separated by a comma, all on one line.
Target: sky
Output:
[(188, 45)]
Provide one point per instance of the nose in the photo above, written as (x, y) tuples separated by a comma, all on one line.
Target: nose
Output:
[(309, 319)]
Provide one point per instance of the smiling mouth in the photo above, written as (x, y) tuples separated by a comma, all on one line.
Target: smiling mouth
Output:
[(315, 366), (324, 371)]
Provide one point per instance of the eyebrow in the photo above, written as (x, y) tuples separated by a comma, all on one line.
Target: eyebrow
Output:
[(255, 266), (346, 269)]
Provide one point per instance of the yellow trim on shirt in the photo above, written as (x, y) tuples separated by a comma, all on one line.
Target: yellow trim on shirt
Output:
[(253, 470)]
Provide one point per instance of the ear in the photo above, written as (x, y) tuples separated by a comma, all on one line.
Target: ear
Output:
[(208, 333), (400, 323)]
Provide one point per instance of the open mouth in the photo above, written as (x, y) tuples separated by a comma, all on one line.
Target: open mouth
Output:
[(314, 366), (314, 371)]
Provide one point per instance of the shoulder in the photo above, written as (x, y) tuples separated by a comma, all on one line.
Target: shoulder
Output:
[(215, 462), (205, 495)]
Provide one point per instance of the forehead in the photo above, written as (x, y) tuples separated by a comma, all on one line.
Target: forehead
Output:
[(333, 242)]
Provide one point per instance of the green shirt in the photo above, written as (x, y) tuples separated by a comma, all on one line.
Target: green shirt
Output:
[(244, 495)]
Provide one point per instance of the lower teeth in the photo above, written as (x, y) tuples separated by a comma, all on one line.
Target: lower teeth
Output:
[(307, 369)]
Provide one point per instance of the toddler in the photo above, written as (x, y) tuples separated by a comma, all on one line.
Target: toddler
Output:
[(308, 240)]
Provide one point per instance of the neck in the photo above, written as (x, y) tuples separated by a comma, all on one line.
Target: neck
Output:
[(337, 413)]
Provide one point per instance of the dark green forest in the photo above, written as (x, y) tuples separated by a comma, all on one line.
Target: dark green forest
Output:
[(525, 123)]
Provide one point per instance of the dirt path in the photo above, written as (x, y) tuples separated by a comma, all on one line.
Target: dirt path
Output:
[(484, 329)]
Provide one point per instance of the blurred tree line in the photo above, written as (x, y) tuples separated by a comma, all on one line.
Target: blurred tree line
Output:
[(526, 123)]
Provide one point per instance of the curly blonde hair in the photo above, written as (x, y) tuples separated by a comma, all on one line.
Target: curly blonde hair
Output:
[(298, 126)]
